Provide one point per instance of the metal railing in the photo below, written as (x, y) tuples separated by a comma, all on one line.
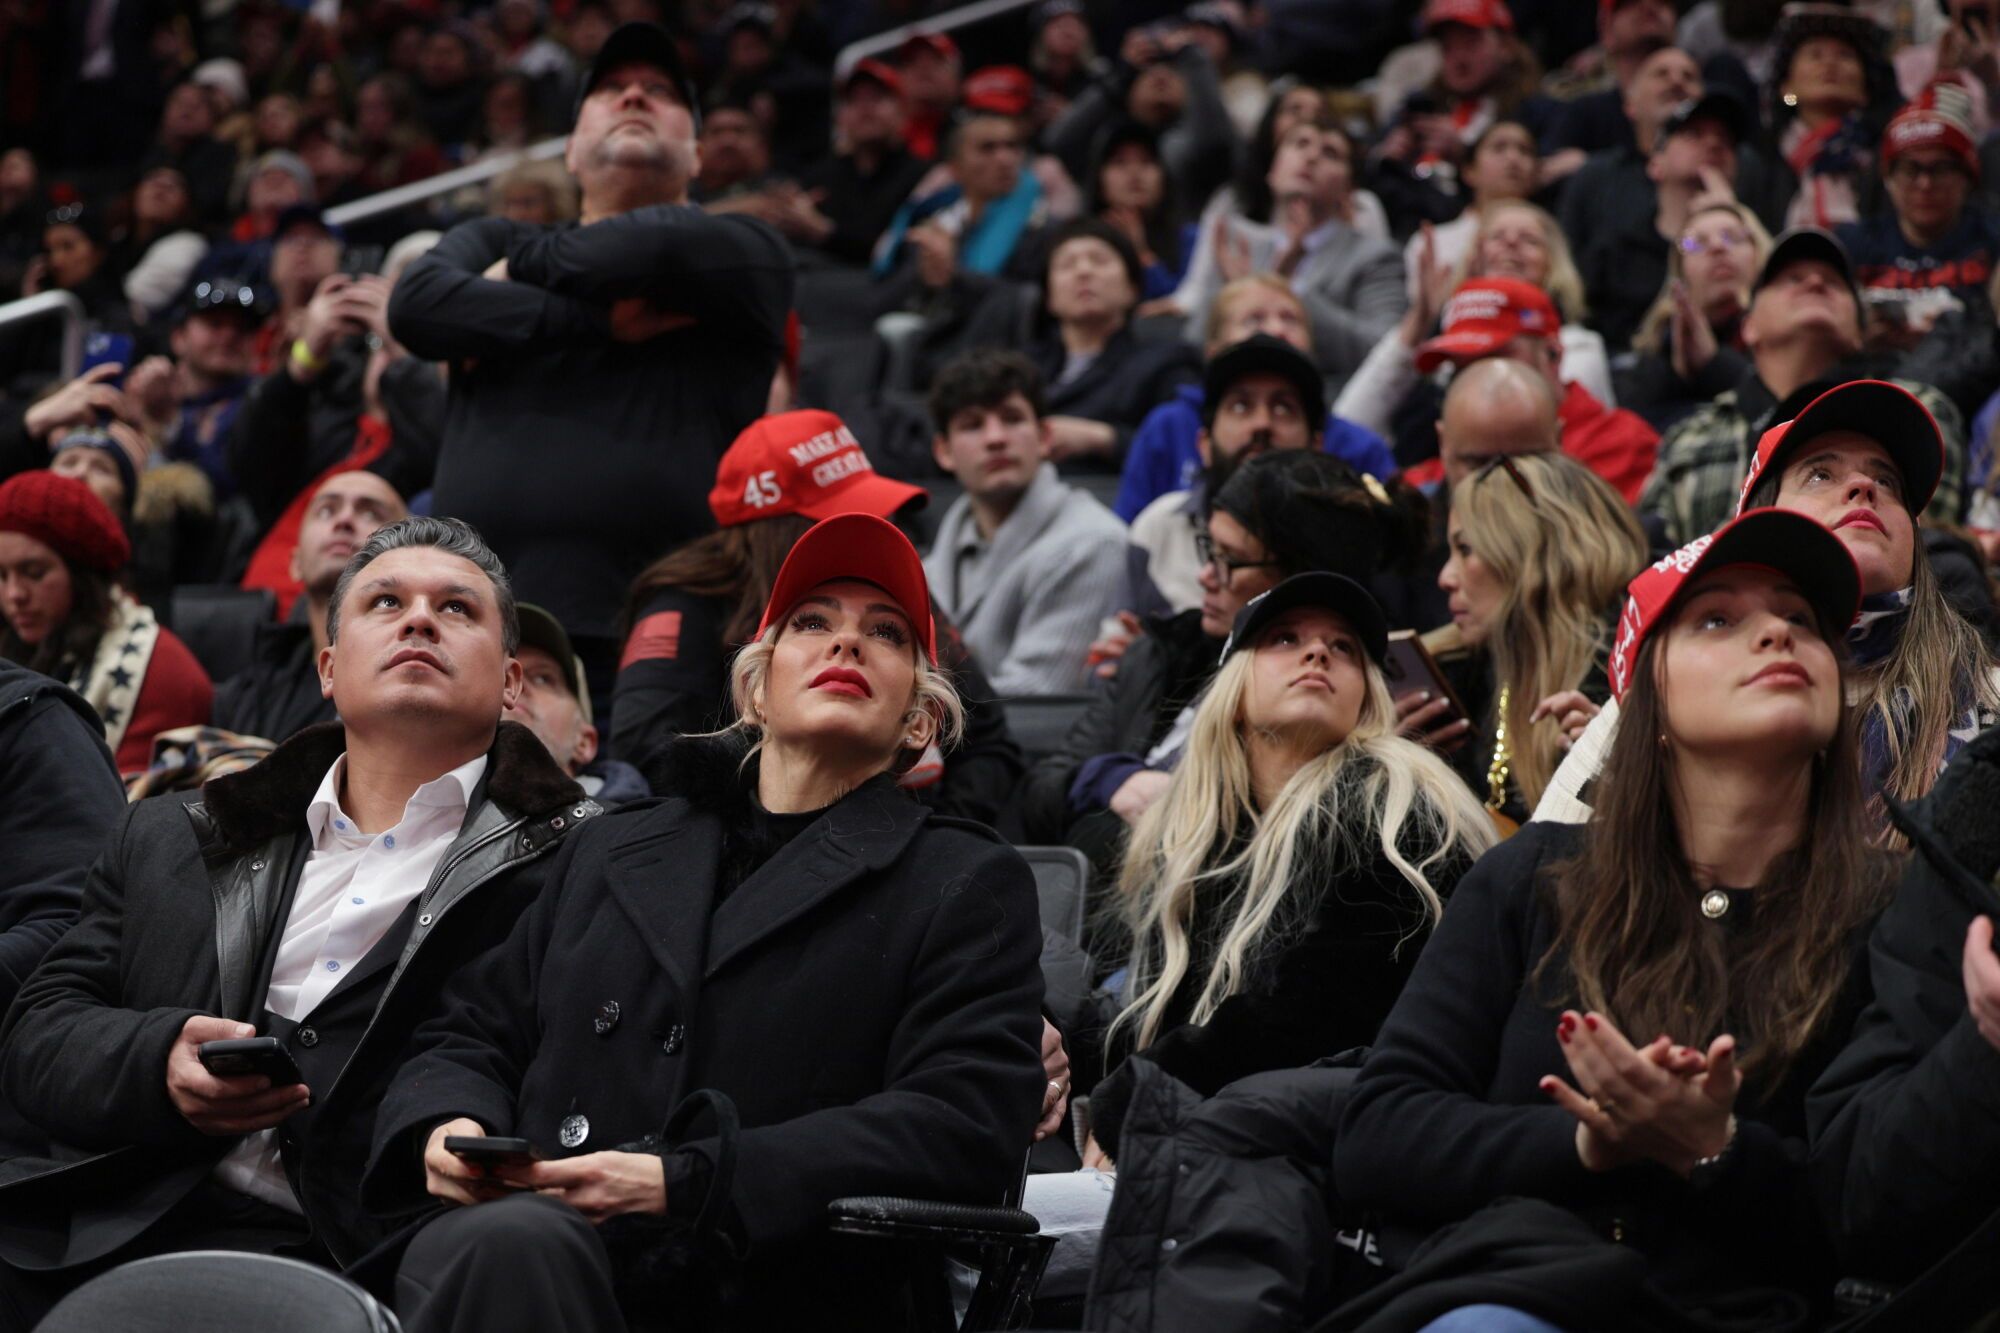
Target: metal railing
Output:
[(962, 17), (47, 305), (430, 187)]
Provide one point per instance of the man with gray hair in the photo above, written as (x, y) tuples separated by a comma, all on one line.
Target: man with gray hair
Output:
[(619, 354), (315, 902)]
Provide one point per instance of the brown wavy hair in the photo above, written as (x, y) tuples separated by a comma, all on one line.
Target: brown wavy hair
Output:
[(739, 563), (1631, 937)]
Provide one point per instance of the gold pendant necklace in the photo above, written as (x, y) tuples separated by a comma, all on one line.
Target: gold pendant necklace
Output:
[(1496, 771)]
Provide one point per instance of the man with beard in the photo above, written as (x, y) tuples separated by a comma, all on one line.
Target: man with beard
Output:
[(1257, 395), (278, 693), (618, 355)]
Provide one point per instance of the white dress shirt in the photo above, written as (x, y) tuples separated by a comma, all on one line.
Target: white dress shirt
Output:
[(352, 889)]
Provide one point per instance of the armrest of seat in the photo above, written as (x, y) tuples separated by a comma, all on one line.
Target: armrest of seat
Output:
[(927, 1219)]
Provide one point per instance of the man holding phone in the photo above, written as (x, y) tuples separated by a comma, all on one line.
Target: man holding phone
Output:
[(199, 1061)]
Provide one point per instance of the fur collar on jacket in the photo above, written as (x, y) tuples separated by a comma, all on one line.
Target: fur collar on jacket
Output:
[(270, 798)]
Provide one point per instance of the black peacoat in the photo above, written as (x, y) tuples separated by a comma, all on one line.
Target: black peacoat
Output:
[(869, 999)]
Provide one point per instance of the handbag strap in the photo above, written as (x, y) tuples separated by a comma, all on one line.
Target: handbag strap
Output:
[(727, 1130)]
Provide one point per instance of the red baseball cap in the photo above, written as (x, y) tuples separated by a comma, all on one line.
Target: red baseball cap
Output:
[(1778, 539), (1471, 13), (875, 71), (1939, 117), (1006, 90), (935, 42), (864, 548), (802, 463), (1886, 413), (1485, 315)]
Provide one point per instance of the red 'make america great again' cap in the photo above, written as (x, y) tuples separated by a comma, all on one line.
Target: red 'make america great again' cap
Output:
[(802, 463), (1780, 539)]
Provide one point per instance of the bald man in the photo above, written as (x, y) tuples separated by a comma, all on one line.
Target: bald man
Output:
[(278, 693), (1494, 407)]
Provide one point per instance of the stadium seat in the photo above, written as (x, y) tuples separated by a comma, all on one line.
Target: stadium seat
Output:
[(218, 622), (255, 1293), (1062, 877), (1041, 723)]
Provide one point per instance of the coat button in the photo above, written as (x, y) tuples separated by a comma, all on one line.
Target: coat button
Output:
[(424, 920), (557, 822), (676, 1038), (580, 811), (256, 865), (575, 1129), (308, 1037), (607, 1018)]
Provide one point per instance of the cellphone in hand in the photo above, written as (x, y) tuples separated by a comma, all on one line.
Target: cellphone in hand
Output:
[(243, 1056), (491, 1152), (1408, 665), (108, 349)]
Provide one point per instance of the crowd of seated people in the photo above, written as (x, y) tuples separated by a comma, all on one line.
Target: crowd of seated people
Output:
[(1364, 632)]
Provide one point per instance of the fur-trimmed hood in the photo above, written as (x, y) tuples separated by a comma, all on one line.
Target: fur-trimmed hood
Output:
[(270, 798)]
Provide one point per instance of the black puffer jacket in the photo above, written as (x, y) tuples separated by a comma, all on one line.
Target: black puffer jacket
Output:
[(1221, 1220)]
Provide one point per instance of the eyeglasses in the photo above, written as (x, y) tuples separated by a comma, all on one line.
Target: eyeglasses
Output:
[(1722, 240), (1224, 566), (1906, 170), (1506, 463)]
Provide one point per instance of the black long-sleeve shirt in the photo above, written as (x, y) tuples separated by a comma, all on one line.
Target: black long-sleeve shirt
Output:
[(579, 458), (1448, 1114)]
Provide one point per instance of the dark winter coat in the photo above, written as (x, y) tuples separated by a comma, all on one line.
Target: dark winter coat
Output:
[(868, 998), (277, 695), (1324, 990), (63, 799), (1906, 1121), (1448, 1114), (181, 916)]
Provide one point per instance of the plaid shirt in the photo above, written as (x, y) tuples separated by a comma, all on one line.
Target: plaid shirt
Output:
[(1704, 458)]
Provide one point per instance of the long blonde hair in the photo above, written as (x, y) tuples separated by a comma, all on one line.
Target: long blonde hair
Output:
[(1374, 786), (1653, 329), (1563, 284), (1563, 545)]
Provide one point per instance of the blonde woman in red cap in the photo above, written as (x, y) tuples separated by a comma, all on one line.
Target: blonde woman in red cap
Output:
[(63, 614), (1622, 1019), (849, 980), (701, 602)]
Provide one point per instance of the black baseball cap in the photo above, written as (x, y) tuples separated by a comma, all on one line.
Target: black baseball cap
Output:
[(1807, 243), (228, 296), (305, 215), (1725, 108), (640, 44), (1317, 588), (540, 629), (1263, 354)]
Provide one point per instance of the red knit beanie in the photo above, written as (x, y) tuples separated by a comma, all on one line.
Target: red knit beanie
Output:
[(63, 512)]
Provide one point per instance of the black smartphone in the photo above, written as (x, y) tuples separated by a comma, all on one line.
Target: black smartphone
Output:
[(491, 1152), (1408, 665), (250, 1055)]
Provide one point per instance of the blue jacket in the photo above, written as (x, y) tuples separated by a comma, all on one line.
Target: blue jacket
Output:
[(1163, 456)]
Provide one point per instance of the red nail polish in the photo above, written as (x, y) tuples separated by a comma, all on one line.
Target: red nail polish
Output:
[(1562, 1035), (1590, 1021)]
